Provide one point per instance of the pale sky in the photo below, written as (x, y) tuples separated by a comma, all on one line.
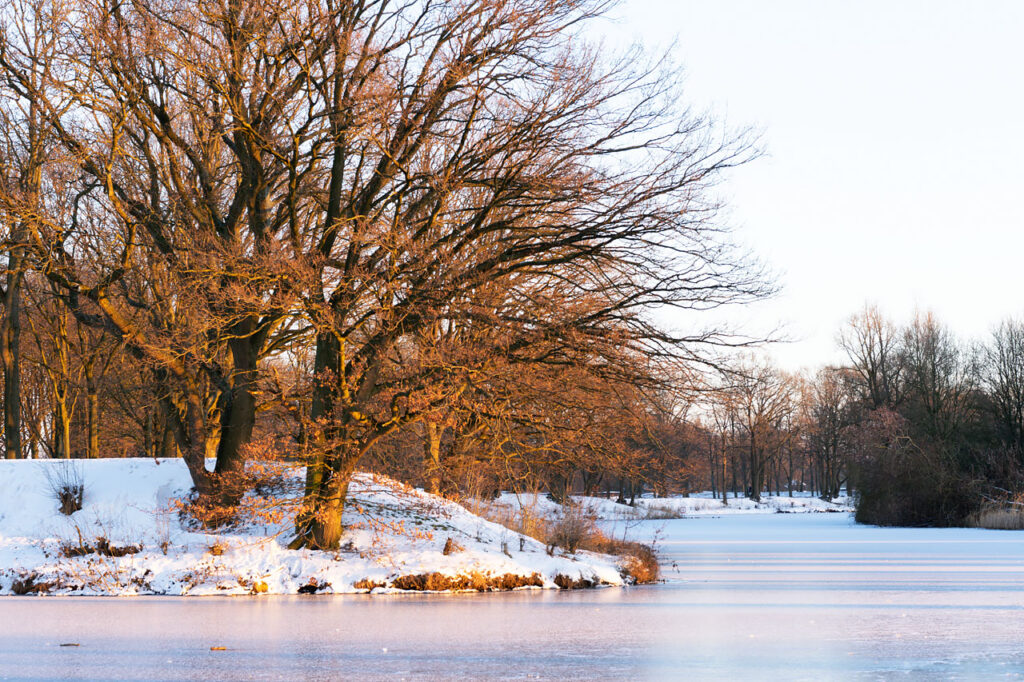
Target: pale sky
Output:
[(895, 153)]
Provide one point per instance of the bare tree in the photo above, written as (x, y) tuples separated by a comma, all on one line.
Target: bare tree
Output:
[(872, 344), (941, 378), (831, 413), (512, 160), (423, 196), (23, 148), (160, 231), (1004, 356), (764, 402)]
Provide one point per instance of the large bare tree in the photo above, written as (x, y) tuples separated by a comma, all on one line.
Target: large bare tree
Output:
[(425, 195)]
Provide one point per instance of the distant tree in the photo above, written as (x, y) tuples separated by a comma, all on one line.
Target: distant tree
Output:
[(764, 402), (941, 378), (831, 410), (1004, 378), (872, 344)]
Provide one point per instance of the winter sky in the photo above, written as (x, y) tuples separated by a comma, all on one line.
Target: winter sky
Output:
[(895, 157)]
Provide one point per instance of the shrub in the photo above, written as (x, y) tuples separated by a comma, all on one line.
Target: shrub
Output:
[(639, 561), (572, 529), (66, 484), (913, 487), (662, 512)]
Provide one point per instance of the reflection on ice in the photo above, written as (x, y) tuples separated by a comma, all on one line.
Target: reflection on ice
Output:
[(784, 596)]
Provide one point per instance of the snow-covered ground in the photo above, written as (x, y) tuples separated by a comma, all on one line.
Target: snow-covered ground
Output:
[(393, 533), (652, 508)]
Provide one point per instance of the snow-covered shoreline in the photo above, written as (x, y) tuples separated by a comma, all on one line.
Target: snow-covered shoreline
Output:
[(654, 508), (395, 537)]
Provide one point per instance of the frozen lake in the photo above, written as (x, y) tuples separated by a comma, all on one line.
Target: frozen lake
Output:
[(806, 596)]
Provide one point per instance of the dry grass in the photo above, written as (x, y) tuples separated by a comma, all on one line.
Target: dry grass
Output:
[(102, 547), (469, 582), (28, 585), (451, 547), (565, 582), (639, 562), (574, 529), (656, 512), (367, 584), (998, 516)]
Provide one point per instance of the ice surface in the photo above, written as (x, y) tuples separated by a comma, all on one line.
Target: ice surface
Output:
[(769, 596)]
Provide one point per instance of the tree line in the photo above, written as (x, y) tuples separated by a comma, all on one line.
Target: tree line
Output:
[(921, 427)]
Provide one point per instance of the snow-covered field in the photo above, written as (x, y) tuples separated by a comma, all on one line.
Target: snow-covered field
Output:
[(394, 533), (652, 508)]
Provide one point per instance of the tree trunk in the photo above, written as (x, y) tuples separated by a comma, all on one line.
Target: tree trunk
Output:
[(558, 487), (432, 455), (92, 411), (10, 356), (61, 427), (711, 469), (148, 447), (592, 482), (725, 490), (789, 474), (735, 491), (238, 410), (319, 525), (756, 474), (166, 446)]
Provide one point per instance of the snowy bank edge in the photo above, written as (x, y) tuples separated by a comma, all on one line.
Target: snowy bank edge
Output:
[(394, 545)]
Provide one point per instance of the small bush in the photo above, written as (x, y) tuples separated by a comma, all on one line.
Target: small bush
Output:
[(911, 487), (367, 584), (451, 547), (571, 530), (29, 585), (565, 582), (639, 561), (260, 494), (66, 484)]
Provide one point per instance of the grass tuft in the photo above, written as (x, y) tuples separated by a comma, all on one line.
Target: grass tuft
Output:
[(66, 484), (997, 517), (575, 529)]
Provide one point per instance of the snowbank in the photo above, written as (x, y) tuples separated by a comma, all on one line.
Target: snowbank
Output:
[(674, 507), (128, 539)]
